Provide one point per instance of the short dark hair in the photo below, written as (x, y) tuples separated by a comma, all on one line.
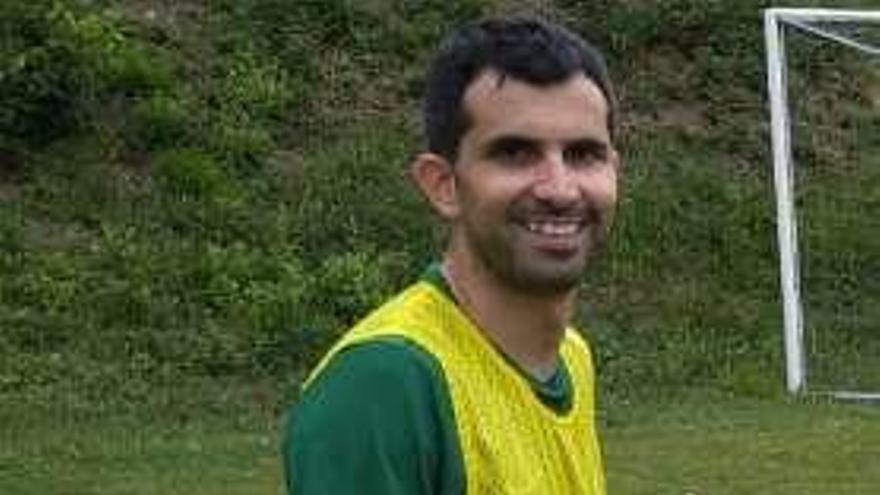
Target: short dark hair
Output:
[(526, 49)]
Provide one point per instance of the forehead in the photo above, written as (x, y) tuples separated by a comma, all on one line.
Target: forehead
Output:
[(570, 109)]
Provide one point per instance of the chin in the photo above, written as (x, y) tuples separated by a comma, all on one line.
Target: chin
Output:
[(548, 278)]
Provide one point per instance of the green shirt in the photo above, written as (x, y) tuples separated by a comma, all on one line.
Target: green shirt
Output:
[(379, 420)]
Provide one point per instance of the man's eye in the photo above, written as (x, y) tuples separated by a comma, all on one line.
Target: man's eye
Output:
[(585, 154), (514, 152)]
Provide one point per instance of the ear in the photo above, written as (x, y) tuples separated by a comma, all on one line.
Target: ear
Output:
[(615, 158), (435, 178)]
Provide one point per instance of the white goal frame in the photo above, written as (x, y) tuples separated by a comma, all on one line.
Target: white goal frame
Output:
[(775, 21)]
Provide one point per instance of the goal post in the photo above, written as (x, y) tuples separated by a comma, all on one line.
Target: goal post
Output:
[(776, 20)]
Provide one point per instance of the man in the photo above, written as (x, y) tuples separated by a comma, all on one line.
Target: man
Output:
[(470, 381)]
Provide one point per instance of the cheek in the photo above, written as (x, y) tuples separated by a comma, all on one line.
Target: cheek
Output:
[(488, 192), (602, 189)]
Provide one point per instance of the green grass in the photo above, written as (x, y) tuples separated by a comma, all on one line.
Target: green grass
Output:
[(722, 446), (743, 447), (197, 457), (100, 459)]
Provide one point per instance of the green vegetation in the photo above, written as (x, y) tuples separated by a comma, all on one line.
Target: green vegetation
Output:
[(229, 455), (195, 199), (742, 446), (695, 446)]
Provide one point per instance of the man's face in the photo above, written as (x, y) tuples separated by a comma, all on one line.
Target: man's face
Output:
[(535, 179)]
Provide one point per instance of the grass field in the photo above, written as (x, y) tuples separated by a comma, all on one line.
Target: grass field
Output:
[(744, 447), (720, 447), (125, 457)]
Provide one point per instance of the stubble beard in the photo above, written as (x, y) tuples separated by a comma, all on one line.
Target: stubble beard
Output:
[(505, 255)]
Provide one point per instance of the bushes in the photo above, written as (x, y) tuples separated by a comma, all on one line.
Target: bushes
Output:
[(61, 64), (72, 69), (214, 260), (160, 121), (189, 307), (193, 175), (223, 197), (355, 196)]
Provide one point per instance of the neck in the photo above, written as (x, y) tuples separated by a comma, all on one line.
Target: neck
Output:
[(528, 328)]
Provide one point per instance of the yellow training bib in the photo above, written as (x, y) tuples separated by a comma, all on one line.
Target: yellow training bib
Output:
[(511, 443)]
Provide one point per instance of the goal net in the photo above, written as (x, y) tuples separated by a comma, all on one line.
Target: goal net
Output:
[(823, 71)]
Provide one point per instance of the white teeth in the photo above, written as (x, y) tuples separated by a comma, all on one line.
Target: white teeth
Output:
[(553, 228)]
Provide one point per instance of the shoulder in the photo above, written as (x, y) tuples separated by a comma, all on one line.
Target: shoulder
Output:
[(576, 346), (579, 359), (376, 361), (371, 386), (576, 337), (381, 411)]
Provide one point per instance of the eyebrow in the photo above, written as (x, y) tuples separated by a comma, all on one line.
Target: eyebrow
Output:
[(589, 143), (510, 142), (507, 142)]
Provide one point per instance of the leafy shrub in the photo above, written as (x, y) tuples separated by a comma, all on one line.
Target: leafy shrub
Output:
[(63, 62), (252, 87), (355, 196), (248, 98), (39, 74), (192, 174), (160, 121), (242, 146), (346, 286)]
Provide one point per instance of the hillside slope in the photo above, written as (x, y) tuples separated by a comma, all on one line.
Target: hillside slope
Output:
[(198, 194)]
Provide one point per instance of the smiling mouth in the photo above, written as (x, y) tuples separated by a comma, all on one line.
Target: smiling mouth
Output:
[(555, 227), (560, 236)]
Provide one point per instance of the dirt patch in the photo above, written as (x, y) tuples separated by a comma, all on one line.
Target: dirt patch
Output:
[(9, 192), (871, 91), (286, 167), (688, 118), (54, 236), (11, 170)]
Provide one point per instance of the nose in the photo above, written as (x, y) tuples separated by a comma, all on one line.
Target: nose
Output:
[(555, 184)]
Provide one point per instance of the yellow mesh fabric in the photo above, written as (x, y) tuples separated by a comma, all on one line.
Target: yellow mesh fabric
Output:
[(511, 443)]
